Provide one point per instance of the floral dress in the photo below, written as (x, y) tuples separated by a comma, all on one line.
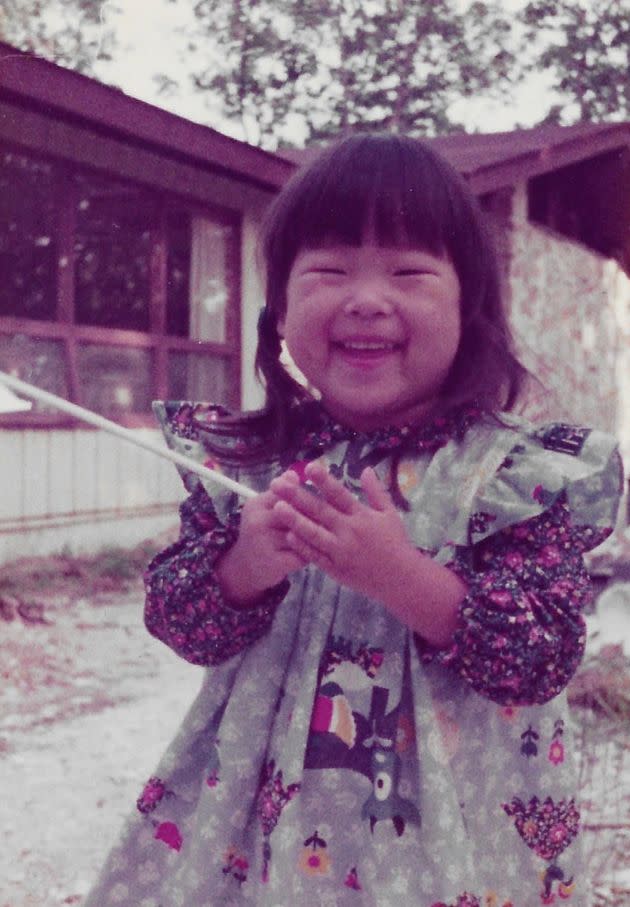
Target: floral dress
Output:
[(332, 757)]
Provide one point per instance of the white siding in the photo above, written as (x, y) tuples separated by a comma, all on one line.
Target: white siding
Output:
[(81, 489)]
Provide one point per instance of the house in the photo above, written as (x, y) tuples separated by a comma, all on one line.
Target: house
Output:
[(127, 255), (560, 200)]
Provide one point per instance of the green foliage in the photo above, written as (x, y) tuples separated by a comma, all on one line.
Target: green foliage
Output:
[(256, 71), (65, 576), (69, 32), (336, 65), (586, 45), (116, 563)]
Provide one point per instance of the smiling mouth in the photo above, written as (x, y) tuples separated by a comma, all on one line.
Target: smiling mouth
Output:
[(367, 347)]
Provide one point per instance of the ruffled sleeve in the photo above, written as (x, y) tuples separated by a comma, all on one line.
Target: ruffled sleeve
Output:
[(184, 606), (521, 634)]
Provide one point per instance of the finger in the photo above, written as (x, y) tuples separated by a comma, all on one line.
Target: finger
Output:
[(265, 499), (375, 492), (293, 559), (283, 486), (280, 518), (306, 553), (312, 533), (278, 541), (278, 546), (312, 506), (288, 479), (331, 489)]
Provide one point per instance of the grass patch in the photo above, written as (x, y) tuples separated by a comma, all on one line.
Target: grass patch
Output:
[(111, 570)]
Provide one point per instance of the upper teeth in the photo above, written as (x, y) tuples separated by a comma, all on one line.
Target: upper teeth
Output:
[(368, 345)]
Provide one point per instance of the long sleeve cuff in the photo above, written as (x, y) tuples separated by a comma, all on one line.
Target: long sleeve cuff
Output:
[(520, 635), (185, 608)]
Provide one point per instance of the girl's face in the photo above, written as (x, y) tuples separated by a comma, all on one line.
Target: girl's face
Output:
[(374, 328)]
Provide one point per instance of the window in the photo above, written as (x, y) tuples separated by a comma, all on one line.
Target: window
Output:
[(114, 294), (178, 273), (40, 362), (27, 237), (115, 379), (113, 239), (588, 202)]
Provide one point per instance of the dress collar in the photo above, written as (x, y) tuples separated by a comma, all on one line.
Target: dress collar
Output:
[(321, 432)]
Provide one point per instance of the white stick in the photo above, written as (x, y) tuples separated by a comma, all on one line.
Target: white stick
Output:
[(86, 415)]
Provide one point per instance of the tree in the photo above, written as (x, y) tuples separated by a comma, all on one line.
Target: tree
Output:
[(259, 57), (333, 65), (586, 46), (69, 32), (401, 66)]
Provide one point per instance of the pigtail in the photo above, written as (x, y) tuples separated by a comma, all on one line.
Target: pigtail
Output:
[(282, 391)]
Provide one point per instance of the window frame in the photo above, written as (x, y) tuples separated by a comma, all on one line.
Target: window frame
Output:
[(72, 335)]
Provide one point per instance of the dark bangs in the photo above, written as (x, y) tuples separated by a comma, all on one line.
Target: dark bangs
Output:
[(368, 182)]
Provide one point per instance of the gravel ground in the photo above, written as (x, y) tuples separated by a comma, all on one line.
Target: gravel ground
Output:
[(88, 704)]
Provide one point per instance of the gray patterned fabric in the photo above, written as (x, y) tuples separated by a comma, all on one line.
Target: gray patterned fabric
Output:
[(333, 763)]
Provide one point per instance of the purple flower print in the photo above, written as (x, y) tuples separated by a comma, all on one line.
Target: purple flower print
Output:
[(547, 828), (514, 561), (272, 799), (352, 880), (550, 556), (236, 865), (153, 793), (170, 834), (556, 748)]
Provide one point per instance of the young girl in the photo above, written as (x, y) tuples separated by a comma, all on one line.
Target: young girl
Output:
[(391, 623)]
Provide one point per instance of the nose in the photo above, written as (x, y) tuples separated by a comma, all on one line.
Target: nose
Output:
[(368, 299)]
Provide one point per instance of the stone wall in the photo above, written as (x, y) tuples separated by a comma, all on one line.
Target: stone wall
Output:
[(570, 313)]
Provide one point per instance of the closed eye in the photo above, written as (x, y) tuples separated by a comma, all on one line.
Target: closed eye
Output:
[(326, 271), (412, 272)]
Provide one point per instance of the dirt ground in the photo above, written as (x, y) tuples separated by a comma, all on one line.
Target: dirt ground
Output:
[(88, 702)]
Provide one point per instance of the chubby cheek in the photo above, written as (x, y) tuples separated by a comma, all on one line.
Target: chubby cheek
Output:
[(446, 332), (306, 336), (309, 357)]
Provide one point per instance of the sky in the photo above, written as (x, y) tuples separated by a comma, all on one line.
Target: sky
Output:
[(152, 36)]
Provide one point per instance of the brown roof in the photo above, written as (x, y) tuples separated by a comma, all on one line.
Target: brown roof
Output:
[(31, 82), (492, 160), (488, 160)]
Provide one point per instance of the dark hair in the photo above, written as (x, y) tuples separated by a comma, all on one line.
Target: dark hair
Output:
[(408, 195)]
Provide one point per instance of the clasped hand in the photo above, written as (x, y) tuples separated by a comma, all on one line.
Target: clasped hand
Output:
[(288, 526)]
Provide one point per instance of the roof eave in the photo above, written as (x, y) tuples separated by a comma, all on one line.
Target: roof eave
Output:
[(611, 137), (32, 81)]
